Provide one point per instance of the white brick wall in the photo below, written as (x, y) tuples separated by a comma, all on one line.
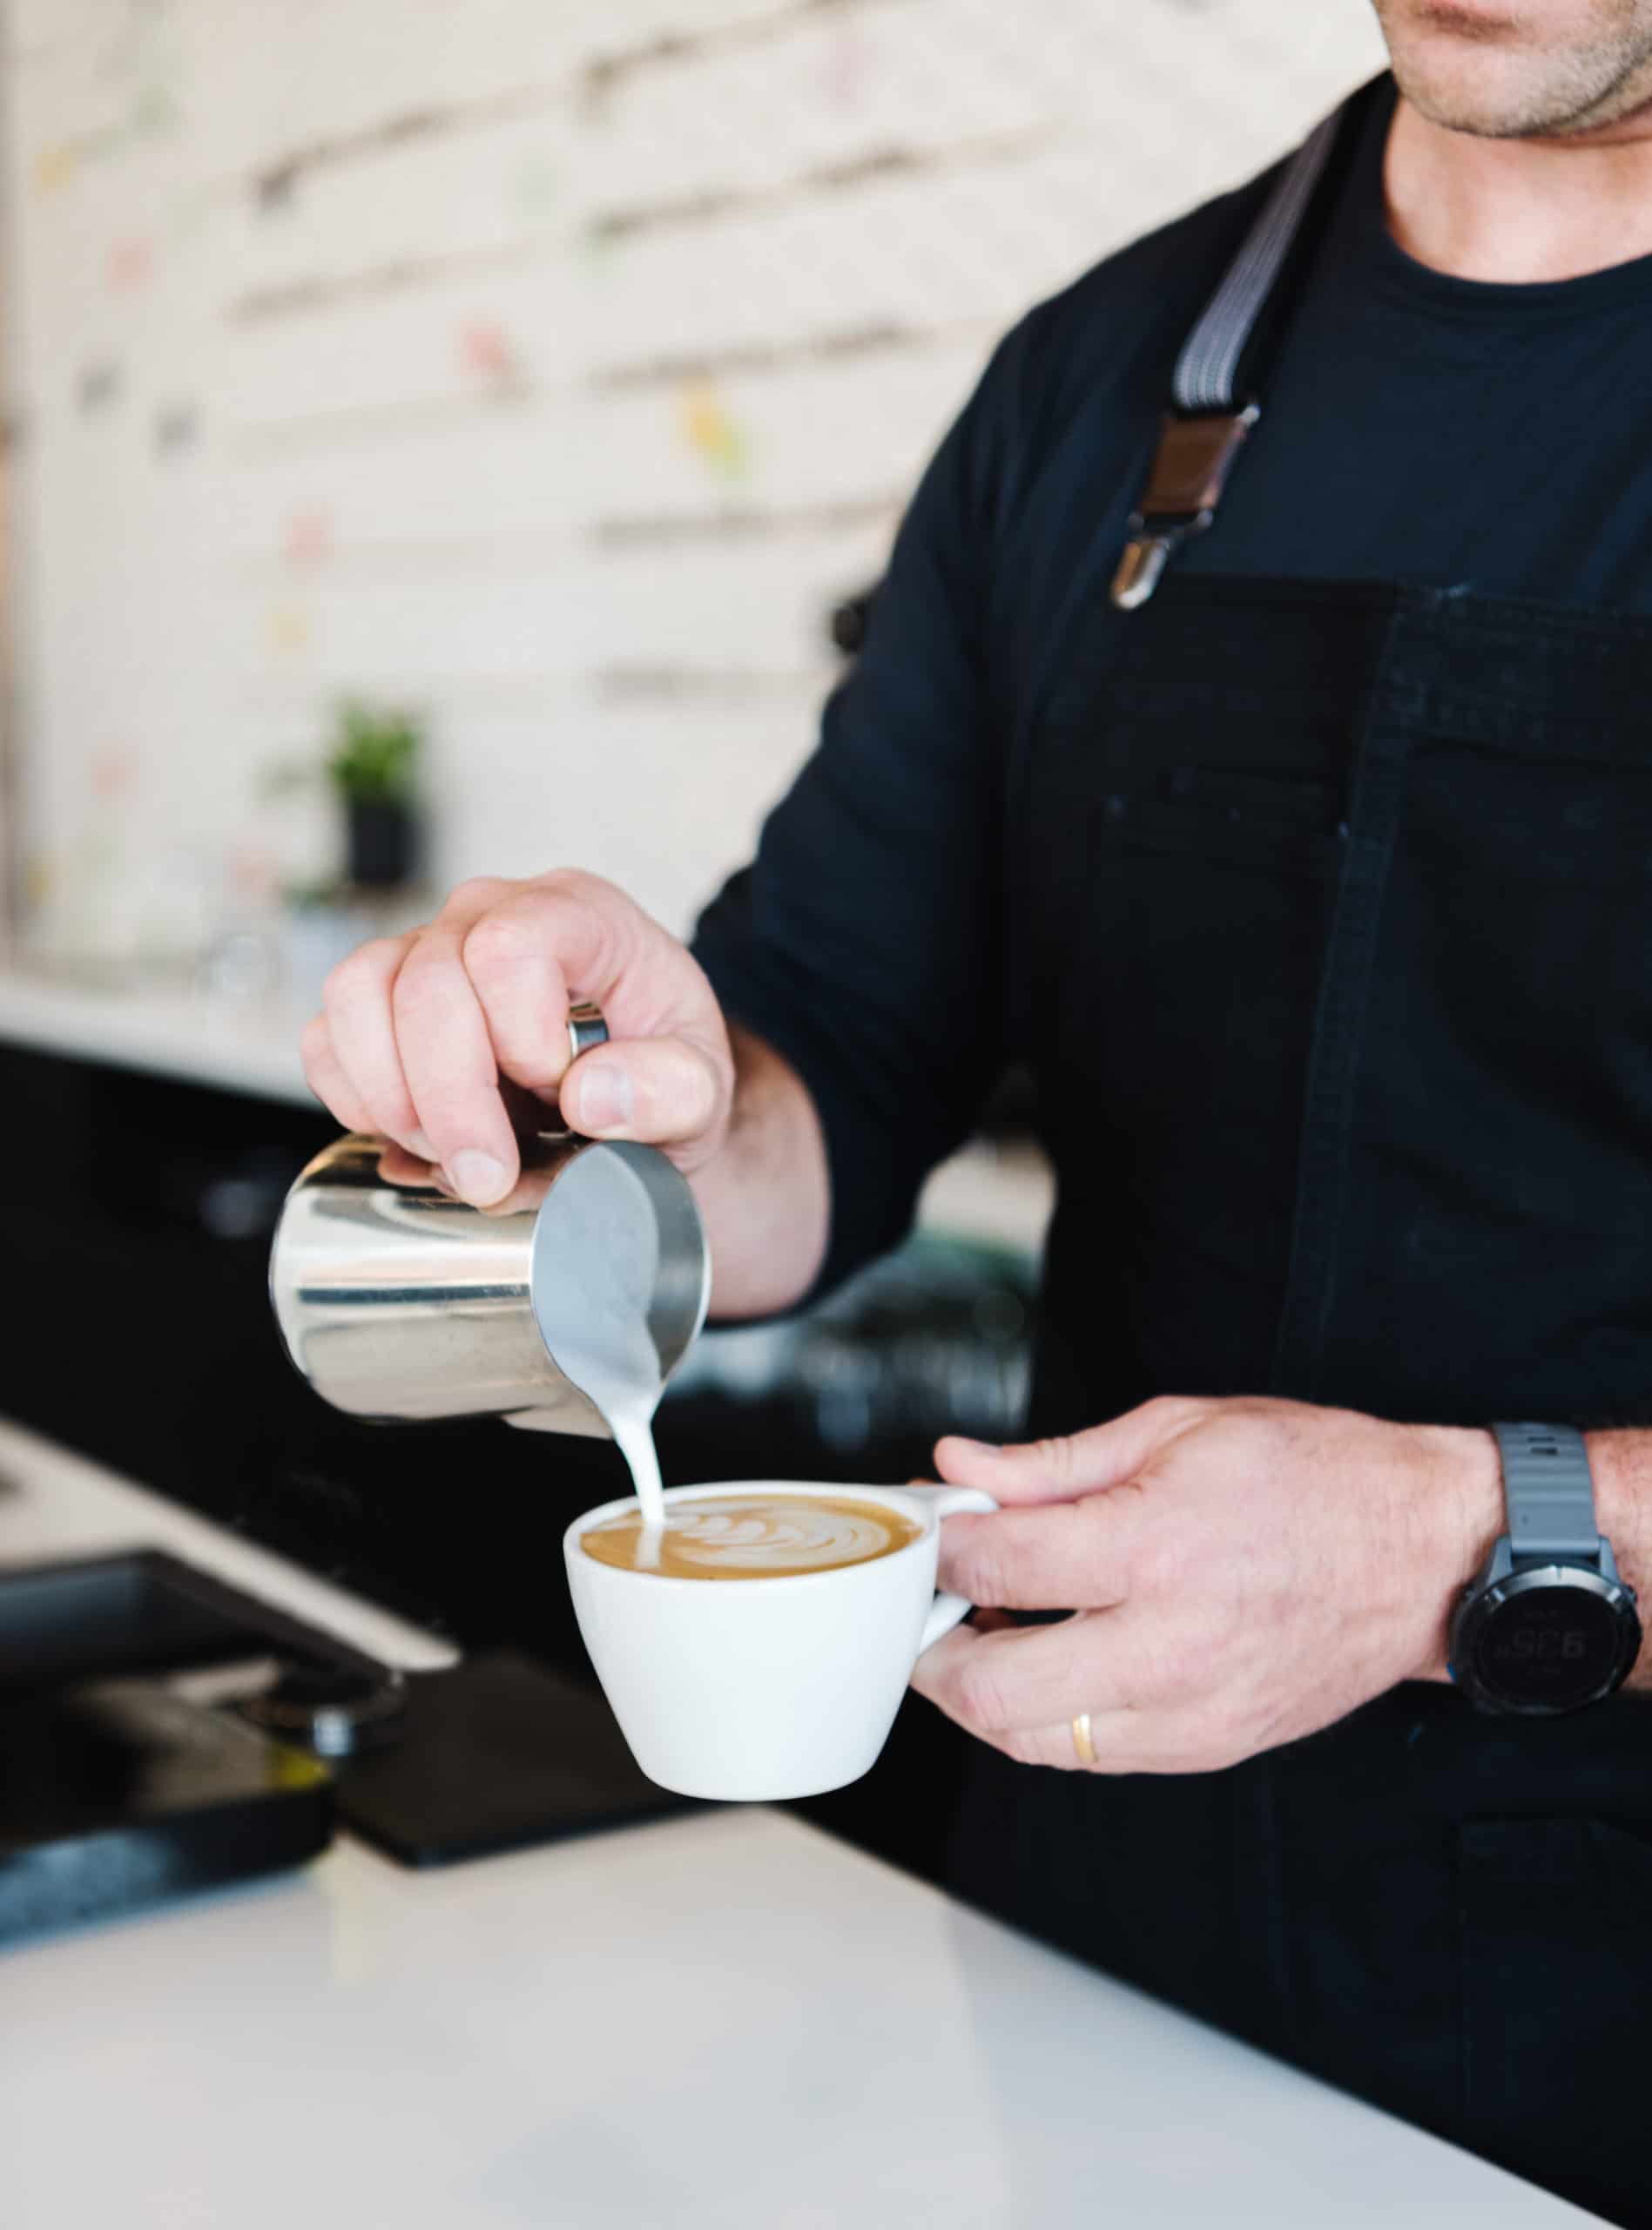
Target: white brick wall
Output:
[(552, 363)]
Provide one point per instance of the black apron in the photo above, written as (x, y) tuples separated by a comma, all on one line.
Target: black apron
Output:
[(1335, 911)]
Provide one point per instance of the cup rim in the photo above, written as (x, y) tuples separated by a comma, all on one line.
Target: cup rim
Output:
[(906, 1498)]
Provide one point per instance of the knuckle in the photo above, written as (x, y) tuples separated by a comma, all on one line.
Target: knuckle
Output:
[(1274, 1427), (983, 1573), (563, 895), (361, 974), (978, 1694), (477, 890), (575, 883), (1198, 1660), (568, 911), (418, 993), (1159, 1568), (501, 943), (1025, 1747), (693, 1087), (671, 1108), (1057, 1456)]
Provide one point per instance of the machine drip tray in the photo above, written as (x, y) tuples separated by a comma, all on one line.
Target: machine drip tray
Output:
[(144, 1610), (118, 1785), (119, 1793)]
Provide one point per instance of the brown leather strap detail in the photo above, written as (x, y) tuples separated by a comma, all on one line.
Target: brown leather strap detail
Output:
[(1192, 462)]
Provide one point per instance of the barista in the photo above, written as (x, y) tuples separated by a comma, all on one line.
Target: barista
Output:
[(1276, 783)]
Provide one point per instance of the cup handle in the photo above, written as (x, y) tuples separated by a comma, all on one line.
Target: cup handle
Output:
[(946, 1610)]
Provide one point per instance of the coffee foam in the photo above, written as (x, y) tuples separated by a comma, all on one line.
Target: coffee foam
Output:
[(753, 1536)]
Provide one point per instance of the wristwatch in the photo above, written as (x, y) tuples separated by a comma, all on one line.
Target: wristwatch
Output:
[(1545, 1625)]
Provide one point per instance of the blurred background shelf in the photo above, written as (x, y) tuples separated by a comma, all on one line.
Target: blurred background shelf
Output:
[(91, 1013)]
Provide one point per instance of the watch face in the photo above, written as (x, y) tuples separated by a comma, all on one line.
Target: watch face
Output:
[(1549, 1648)]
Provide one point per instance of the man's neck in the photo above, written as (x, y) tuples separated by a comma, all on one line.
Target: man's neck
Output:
[(1518, 210)]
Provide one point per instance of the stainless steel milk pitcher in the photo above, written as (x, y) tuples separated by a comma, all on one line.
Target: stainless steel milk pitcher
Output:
[(397, 1302)]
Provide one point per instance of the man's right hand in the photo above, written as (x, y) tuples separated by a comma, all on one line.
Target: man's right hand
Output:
[(417, 1032)]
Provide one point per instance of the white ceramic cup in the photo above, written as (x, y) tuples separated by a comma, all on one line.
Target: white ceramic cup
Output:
[(752, 1690)]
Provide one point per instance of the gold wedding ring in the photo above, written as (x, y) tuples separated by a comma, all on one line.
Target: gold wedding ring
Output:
[(1082, 1742)]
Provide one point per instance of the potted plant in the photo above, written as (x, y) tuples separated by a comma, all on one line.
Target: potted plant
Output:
[(373, 765)]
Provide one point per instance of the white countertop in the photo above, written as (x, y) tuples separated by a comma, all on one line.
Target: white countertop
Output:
[(984, 1193), (547, 2039), (727, 2022), (240, 1048)]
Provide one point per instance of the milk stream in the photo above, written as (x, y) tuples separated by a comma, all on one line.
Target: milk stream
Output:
[(594, 1320), (634, 1437)]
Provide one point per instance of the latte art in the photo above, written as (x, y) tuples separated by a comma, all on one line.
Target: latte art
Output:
[(753, 1536)]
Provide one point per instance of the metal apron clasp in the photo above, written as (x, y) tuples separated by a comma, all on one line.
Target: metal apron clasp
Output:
[(1184, 484)]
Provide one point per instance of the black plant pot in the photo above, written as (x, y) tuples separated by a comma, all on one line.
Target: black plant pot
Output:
[(383, 843)]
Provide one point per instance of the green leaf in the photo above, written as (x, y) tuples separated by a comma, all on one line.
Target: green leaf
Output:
[(376, 755)]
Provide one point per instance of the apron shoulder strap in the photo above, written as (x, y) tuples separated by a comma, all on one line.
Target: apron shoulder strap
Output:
[(1205, 429)]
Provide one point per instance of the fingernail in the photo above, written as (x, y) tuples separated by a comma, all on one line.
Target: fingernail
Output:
[(975, 1446), (417, 1143), (478, 1178), (606, 1101)]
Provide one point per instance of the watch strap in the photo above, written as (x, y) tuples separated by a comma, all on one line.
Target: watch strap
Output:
[(1549, 1491)]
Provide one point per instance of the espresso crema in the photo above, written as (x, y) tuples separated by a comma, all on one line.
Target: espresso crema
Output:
[(752, 1536)]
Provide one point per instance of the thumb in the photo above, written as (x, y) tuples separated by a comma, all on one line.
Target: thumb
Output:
[(1069, 1464), (666, 1092)]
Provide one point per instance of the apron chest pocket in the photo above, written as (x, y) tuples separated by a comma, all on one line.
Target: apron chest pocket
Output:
[(1280, 823)]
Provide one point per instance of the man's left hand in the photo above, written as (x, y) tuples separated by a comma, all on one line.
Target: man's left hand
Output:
[(1240, 1572)]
